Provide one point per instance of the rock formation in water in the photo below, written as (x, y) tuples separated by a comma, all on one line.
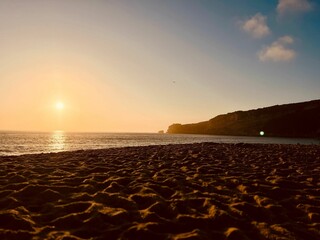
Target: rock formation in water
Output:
[(288, 120)]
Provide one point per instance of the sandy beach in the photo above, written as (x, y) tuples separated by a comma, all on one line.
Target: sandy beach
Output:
[(192, 191)]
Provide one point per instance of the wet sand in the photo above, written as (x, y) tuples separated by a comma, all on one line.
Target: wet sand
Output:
[(193, 191)]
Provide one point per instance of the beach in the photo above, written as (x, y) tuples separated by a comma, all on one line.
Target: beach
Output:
[(188, 191)]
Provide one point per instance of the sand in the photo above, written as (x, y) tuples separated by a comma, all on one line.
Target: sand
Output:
[(193, 191)]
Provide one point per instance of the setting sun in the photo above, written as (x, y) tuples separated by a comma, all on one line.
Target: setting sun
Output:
[(59, 105)]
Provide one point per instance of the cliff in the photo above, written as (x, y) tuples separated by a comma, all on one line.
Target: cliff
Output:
[(288, 120)]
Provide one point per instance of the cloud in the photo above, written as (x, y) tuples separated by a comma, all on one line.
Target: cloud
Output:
[(256, 26), (278, 51), (291, 6)]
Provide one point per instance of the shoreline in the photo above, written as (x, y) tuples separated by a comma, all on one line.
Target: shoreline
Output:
[(20, 144), (165, 144), (175, 191)]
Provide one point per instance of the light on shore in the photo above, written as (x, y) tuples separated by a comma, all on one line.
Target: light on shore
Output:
[(261, 133)]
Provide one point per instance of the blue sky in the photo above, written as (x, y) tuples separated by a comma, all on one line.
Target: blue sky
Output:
[(140, 65)]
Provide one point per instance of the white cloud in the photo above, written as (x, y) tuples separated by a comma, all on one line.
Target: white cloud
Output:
[(285, 6), (278, 51), (286, 40), (256, 26)]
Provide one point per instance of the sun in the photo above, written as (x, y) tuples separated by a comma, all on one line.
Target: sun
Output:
[(59, 105)]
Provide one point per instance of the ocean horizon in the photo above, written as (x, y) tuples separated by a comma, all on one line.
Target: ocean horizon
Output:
[(23, 142)]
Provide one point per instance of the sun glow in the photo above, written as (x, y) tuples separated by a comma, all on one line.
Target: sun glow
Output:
[(59, 105)]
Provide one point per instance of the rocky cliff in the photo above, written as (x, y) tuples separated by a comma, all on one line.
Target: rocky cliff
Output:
[(288, 120)]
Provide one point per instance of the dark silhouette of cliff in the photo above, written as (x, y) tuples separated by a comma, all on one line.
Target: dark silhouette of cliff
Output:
[(288, 120)]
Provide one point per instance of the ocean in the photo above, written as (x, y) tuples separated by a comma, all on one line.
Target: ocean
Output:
[(18, 143)]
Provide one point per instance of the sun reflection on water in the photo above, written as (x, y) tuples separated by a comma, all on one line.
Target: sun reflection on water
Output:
[(57, 141)]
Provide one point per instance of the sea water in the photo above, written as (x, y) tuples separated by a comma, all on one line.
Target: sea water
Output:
[(17, 143)]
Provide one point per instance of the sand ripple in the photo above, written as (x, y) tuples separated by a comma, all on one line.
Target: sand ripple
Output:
[(195, 191)]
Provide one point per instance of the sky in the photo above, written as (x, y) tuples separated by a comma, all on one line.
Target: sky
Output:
[(141, 65)]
